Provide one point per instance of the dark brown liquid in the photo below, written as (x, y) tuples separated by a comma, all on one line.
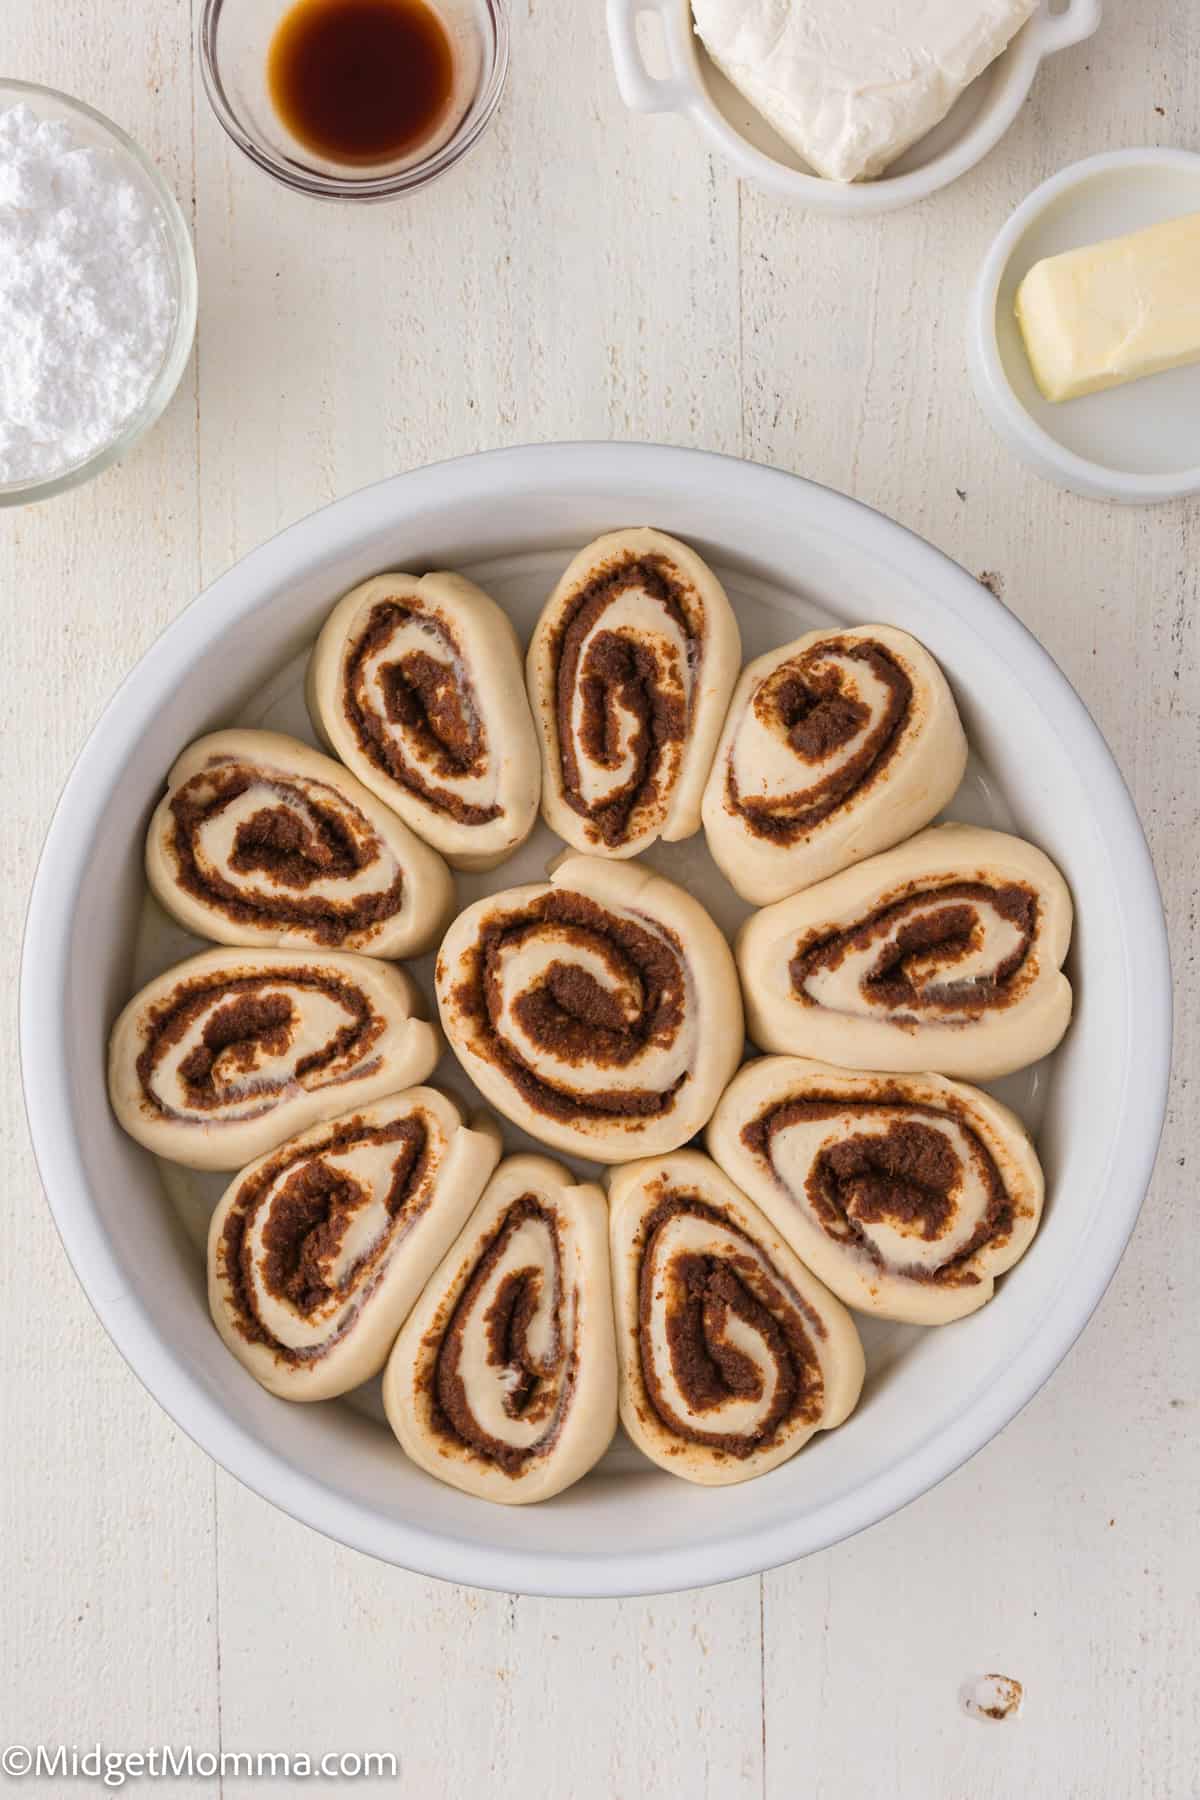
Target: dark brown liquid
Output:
[(360, 81)]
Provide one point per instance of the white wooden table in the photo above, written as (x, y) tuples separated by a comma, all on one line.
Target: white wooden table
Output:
[(590, 274)]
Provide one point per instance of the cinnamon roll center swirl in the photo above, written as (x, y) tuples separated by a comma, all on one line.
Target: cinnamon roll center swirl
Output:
[(626, 653), (308, 1237), (414, 712), (292, 849), (576, 1004), (822, 727), (725, 1342), (962, 947), (914, 1187), (506, 1365), (321, 863), (220, 1042)]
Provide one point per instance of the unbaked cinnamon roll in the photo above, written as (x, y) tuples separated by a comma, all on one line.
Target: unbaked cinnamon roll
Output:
[(416, 685), (630, 670), (504, 1380), (835, 746), (598, 1010), (260, 840), (908, 1194), (731, 1353), (317, 1251), (945, 953), (222, 1057)]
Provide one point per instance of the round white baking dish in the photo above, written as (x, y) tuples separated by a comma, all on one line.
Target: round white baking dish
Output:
[(693, 87), (790, 552), (1137, 444)]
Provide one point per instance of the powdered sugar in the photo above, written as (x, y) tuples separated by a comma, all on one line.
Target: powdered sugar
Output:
[(86, 298)]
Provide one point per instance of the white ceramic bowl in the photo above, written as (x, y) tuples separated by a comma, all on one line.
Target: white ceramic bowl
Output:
[(1139, 443), (696, 89), (792, 553)]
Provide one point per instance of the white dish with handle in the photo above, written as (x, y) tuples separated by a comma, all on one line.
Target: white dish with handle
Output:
[(692, 86), (793, 556)]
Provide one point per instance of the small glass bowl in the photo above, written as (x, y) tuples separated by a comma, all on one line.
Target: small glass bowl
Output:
[(235, 37), (94, 130)]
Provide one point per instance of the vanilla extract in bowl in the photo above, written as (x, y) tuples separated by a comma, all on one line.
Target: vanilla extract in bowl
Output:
[(361, 81)]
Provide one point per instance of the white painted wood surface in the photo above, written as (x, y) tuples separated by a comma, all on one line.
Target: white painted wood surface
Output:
[(587, 273)]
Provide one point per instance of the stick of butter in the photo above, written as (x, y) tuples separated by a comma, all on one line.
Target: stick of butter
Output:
[(1115, 311)]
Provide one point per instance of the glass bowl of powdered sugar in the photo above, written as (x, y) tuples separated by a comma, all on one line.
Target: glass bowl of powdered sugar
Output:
[(97, 292)]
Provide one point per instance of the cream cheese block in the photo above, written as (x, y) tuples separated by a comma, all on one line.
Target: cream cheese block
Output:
[(851, 86), (1115, 311)]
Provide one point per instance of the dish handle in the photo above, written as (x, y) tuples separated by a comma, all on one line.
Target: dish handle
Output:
[(1077, 20), (641, 91)]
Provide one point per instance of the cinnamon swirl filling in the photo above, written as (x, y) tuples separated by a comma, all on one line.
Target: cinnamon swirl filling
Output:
[(630, 669), (317, 1250), (732, 1354), (835, 746), (505, 1368), (260, 839), (945, 953), (599, 1010), (219, 1059), (230, 1044), (911, 1186), (265, 850), (725, 1341), (626, 652), (960, 947), (415, 682), (411, 703), (907, 1194), (583, 1009), (503, 1382), (821, 727), (304, 1244)]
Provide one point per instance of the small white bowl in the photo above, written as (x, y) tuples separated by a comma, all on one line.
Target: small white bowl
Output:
[(792, 555), (96, 132), (1139, 444), (697, 90)]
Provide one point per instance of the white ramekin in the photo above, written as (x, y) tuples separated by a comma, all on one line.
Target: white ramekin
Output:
[(1092, 446), (928, 1406), (693, 88)]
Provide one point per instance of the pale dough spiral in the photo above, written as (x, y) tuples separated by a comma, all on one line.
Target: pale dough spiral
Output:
[(317, 1251), (261, 840), (731, 1353), (945, 953), (834, 747), (630, 670), (416, 685), (504, 1382), (598, 1010), (908, 1194), (223, 1056)]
